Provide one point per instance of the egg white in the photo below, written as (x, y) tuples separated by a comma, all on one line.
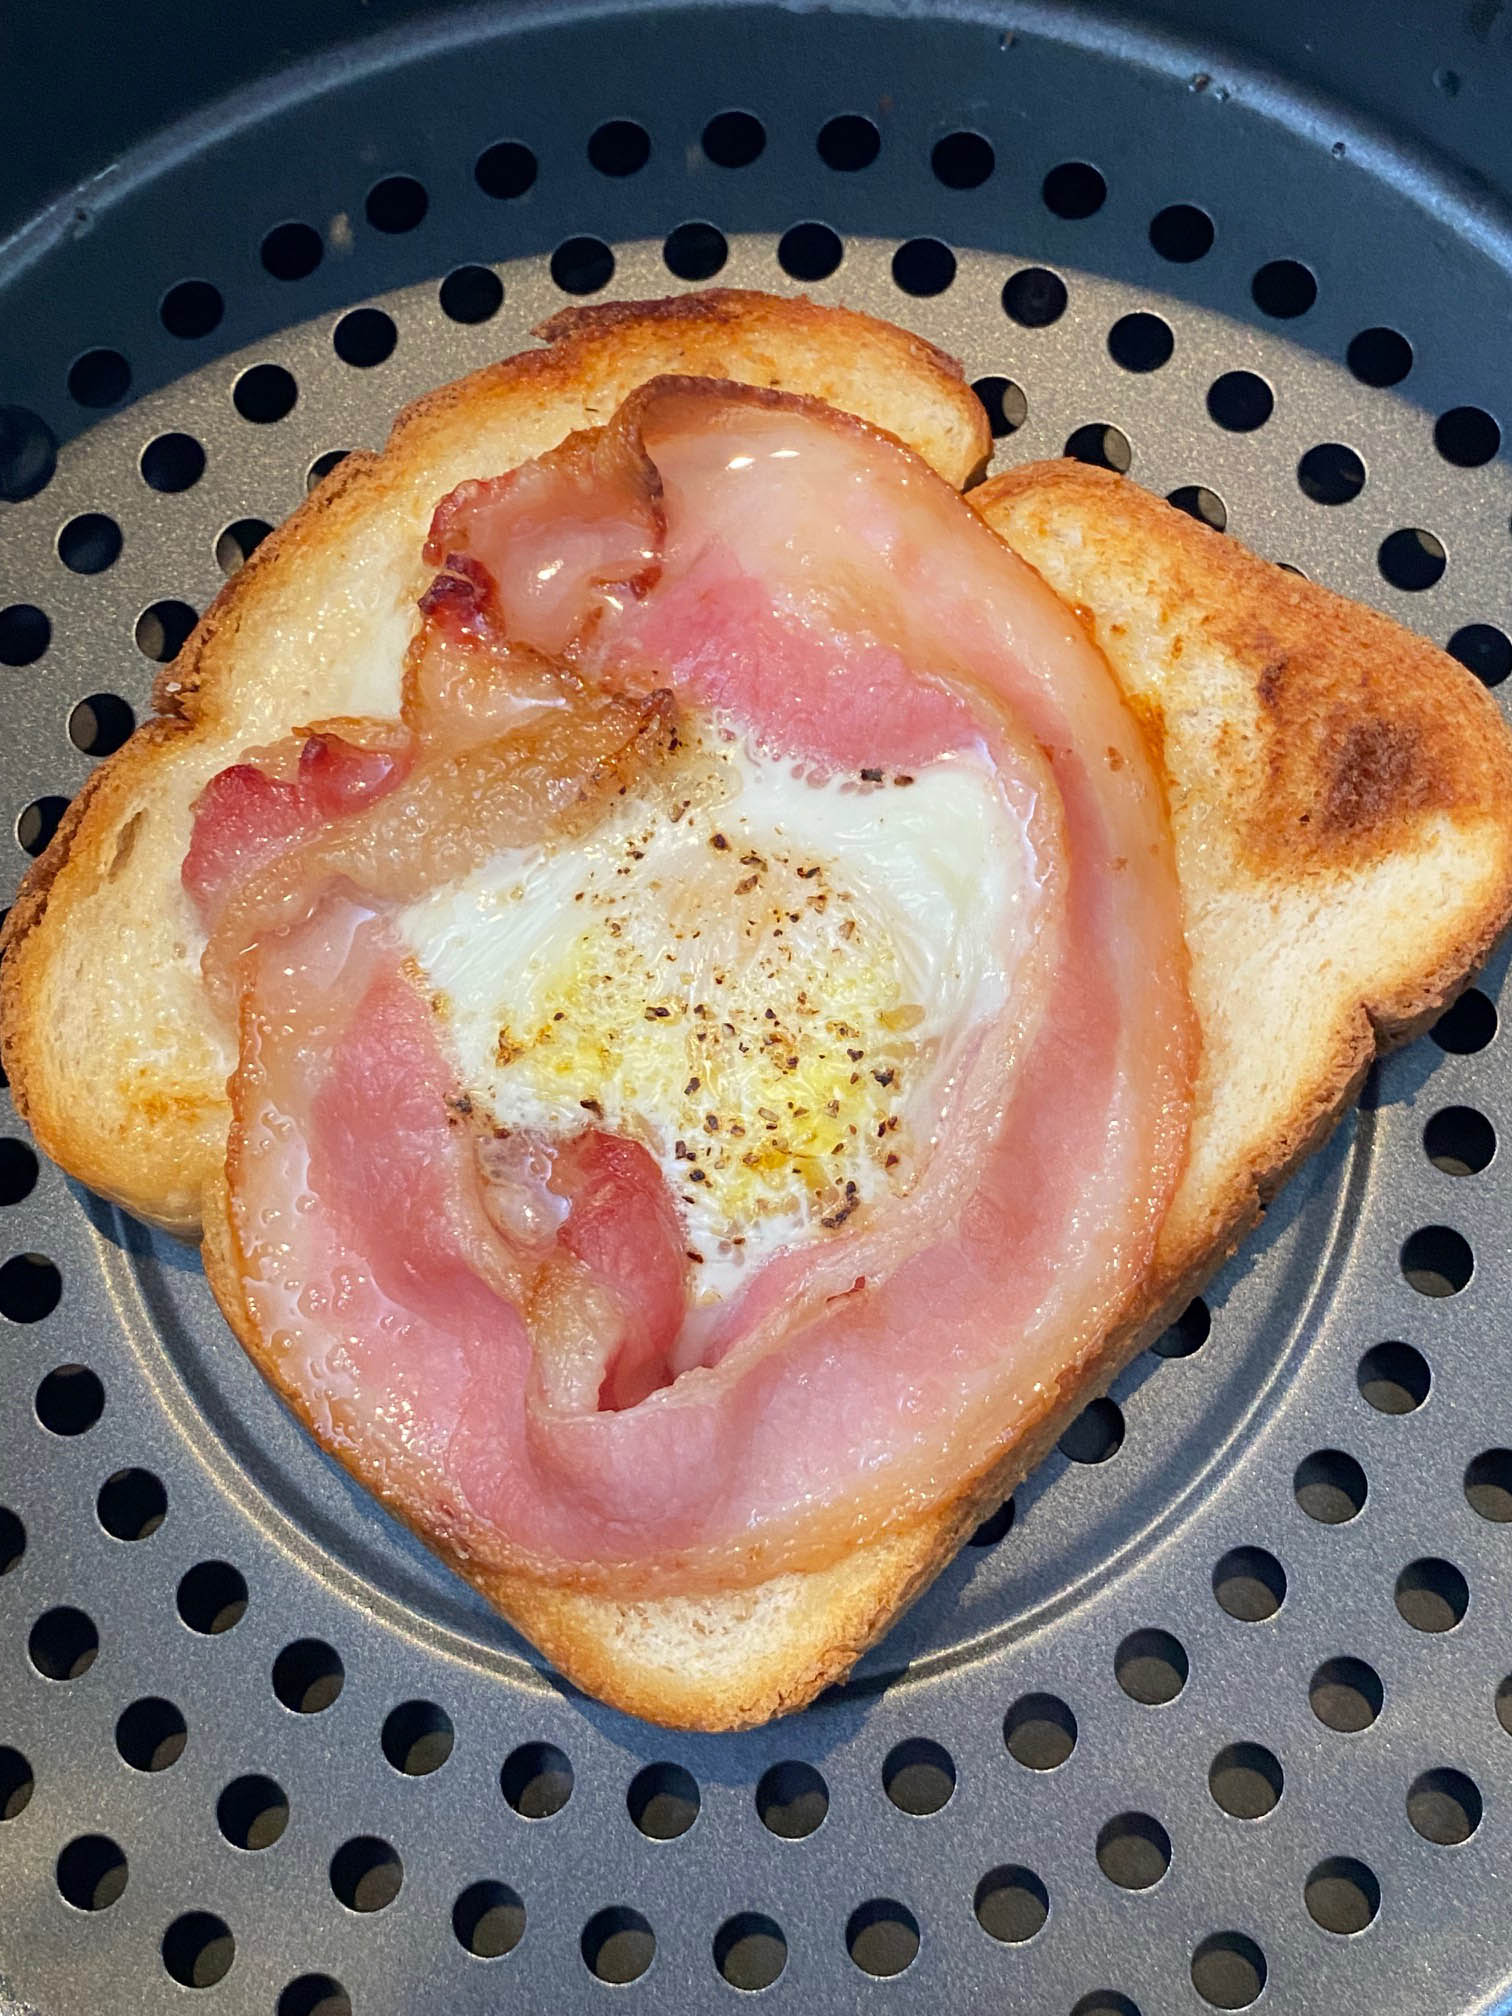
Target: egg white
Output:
[(765, 979)]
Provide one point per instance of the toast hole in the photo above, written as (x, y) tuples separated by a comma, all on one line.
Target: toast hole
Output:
[(1198, 502), (1412, 559), (750, 1951), (1284, 289), (151, 1734), (919, 1776), (28, 453), (252, 1812), (91, 1872), (198, 1949), (1105, 2002), (1152, 1667), (1240, 401), (1459, 1141), (212, 1598), (617, 1945), (191, 309), (18, 1171), (315, 1995), (995, 1527), (1346, 1695), (397, 203), (809, 251), (1246, 1781), (25, 633), (1330, 1487), (99, 378), (1342, 1895), (12, 1540), (1040, 1732), (1228, 1970), (1467, 436), (882, 1937), (89, 543), (1141, 342), (131, 1505), (1393, 1378), (1007, 408), (163, 628), (1133, 1851), (695, 251), (265, 393), (1182, 233), (1379, 357), (320, 468), (417, 1738), (619, 147), (1034, 297), (849, 142), (1445, 1807), (1432, 1594), (1101, 446), (1468, 1026), (1484, 650), (582, 265), (471, 294), (308, 1676), (1249, 1584), (63, 1643), (16, 1783), (1504, 1704), (172, 463), (70, 1400), (792, 1800), (30, 1289), (292, 251), (1437, 1261), (1074, 190), (366, 1873), (506, 170), (1331, 473), (99, 725), (1488, 1485), (1096, 1434), (923, 267), (1187, 1334), (663, 1801), (1011, 1904), (536, 1780), (489, 1920), (963, 160), (364, 338), (241, 538), (734, 139)]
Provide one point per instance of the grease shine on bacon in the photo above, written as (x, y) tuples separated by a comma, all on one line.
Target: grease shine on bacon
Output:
[(713, 1068)]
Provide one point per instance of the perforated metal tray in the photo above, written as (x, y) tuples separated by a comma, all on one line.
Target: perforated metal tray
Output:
[(1219, 1709)]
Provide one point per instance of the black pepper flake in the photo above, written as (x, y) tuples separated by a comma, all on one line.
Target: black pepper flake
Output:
[(720, 843), (884, 1077), (902, 779), (689, 1254), (808, 874), (891, 1162), (855, 1056), (691, 1086), (654, 1014), (744, 887), (871, 776), (711, 1123), (592, 1106), (697, 1176), (838, 1217)]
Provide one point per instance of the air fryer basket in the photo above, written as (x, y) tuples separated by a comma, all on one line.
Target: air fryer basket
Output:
[(1218, 1709)]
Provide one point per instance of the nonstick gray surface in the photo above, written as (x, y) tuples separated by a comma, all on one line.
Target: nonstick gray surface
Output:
[(1217, 1710)]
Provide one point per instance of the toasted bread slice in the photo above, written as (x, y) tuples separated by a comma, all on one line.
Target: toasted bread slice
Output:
[(1341, 797)]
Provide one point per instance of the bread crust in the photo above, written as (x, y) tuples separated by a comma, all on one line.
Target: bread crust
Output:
[(1310, 809)]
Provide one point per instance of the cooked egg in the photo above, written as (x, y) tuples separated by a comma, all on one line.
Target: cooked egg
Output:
[(764, 979)]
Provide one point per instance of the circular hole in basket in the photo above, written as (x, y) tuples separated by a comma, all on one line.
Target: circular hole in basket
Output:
[(750, 1951), (12, 1540), (1437, 1261), (16, 1783), (163, 629), (28, 453), (70, 1400), (1182, 233), (1011, 1904), (1331, 473), (191, 309), (265, 393), (292, 250), (1330, 1486), (1007, 408), (366, 1873), (99, 378), (1488, 1485), (1393, 1378), (151, 1734), (1034, 297), (1240, 401), (506, 170), (734, 139), (1379, 357), (1284, 289), (489, 1920), (417, 1738), (1151, 1666), (89, 543), (1095, 1435), (1468, 1026), (132, 1504), (172, 463), (663, 1801), (1431, 1594), (995, 1527), (1133, 1851), (308, 1676), (315, 1995), (1198, 502), (1342, 1895), (1105, 2002), (849, 142), (1346, 1694), (1187, 1334), (1040, 1731), (1246, 1781), (536, 1780), (619, 147), (582, 265), (1141, 342), (962, 160), (1074, 190), (252, 1812), (25, 633), (99, 725), (1459, 1141), (1412, 559), (397, 203), (471, 294), (91, 1872), (923, 267), (1250, 1584), (1101, 446), (239, 540), (809, 251), (882, 1937), (792, 1800), (198, 1949), (364, 338), (30, 1285), (1484, 650), (317, 472), (617, 1945), (918, 1776), (212, 1598), (695, 250), (1467, 436), (1445, 1807), (1228, 1970)]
